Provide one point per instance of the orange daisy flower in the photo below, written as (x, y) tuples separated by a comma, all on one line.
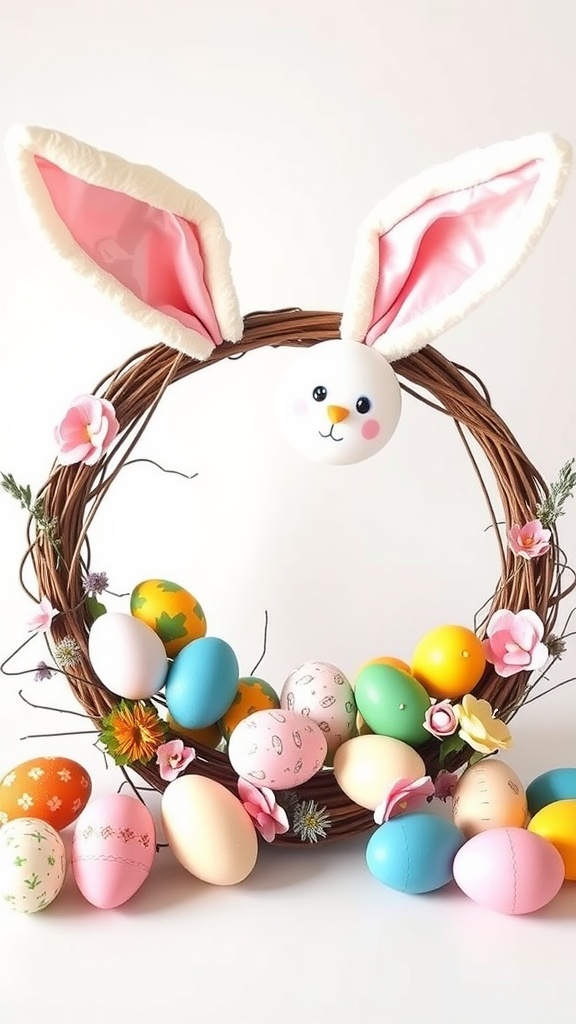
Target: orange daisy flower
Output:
[(132, 731)]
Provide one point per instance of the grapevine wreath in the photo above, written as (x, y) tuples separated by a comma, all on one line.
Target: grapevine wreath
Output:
[(366, 752)]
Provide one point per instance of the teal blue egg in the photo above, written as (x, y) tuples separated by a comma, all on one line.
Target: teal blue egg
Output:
[(557, 784), (414, 853), (392, 703), (202, 682)]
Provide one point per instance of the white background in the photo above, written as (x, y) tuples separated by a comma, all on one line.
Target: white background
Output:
[(293, 119)]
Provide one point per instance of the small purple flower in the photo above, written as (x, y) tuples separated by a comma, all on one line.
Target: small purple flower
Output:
[(42, 672), (95, 583)]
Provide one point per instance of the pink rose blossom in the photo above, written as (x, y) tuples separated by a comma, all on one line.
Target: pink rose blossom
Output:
[(87, 430), (440, 719), (513, 642), (173, 757), (269, 818), (444, 784), (404, 796), (529, 541), (42, 620)]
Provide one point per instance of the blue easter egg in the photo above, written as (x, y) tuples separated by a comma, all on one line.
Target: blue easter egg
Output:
[(548, 788), (414, 852), (202, 682)]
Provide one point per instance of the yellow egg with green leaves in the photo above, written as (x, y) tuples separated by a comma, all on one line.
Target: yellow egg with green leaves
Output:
[(173, 613)]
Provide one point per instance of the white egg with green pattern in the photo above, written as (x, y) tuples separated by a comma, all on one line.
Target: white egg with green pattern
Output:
[(32, 865)]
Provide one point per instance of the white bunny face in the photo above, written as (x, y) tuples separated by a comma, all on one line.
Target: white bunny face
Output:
[(340, 403)]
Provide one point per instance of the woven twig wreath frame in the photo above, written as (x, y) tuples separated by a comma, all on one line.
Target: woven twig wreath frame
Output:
[(73, 494)]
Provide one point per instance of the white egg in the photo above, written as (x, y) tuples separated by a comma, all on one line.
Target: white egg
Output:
[(340, 403), (127, 656), (32, 865)]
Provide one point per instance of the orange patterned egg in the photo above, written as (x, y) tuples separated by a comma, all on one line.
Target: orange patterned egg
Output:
[(208, 737), (53, 789), (253, 695)]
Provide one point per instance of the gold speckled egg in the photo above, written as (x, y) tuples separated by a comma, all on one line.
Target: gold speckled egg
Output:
[(253, 695), (174, 614)]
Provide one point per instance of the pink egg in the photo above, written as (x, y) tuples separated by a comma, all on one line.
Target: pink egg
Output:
[(277, 749), (113, 849), (505, 870)]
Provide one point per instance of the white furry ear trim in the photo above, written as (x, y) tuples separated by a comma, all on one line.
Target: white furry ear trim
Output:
[(152, 246), (428, 254)]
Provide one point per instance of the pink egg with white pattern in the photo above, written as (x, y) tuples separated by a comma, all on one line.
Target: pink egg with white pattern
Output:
[(277, 749), (113, 849), (340, 402)]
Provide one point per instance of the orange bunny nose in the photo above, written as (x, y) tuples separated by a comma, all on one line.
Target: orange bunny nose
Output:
[(337, 413)]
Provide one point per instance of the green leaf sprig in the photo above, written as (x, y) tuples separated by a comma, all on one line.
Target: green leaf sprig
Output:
[(552, 507), (46, 525)]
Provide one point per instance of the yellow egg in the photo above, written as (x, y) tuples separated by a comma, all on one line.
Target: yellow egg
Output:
[(174, 614), (394, 662), (449, 662), (253, 695), (489, 795), (557, 823), (209, 737)]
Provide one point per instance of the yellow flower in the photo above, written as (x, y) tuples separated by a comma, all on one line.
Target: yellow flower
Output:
[(479, 728), (132, 731)]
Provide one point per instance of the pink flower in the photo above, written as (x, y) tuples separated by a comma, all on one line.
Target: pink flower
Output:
[(404, 796), (513, 642), (42, 620), (173, 758), (269, 818), (88, 428), (444, 784), (529, 541), (440, 719)]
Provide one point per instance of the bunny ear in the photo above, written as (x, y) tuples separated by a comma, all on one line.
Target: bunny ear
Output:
[(441, 243), (150, 244)]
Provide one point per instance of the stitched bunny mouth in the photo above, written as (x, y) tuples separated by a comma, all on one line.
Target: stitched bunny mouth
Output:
[(331, 434)]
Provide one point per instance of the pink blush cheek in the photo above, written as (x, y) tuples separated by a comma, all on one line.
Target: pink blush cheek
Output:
[(370, 429), (300, 407)]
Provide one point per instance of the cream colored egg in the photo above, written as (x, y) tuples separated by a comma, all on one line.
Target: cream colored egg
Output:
[(367, 767), (208, 830), (489, 795)]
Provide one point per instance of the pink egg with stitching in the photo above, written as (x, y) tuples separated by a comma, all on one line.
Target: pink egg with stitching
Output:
[(113, 849), (505, 870), (277, 749)]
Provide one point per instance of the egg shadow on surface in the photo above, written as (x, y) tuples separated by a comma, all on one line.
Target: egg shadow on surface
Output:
[(281, 867)]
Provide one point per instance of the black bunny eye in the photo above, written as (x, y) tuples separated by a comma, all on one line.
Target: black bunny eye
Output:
[(363, 405), (319, 394)]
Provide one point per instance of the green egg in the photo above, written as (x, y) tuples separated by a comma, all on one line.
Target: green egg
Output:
[(392, 703)]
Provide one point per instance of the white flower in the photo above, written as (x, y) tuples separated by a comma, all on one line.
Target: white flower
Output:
[(25, 801), (76, 805), (310, 821), (9, 779), (36, 773), (3, 817), (54, 803), (84, 782), (64, 774)]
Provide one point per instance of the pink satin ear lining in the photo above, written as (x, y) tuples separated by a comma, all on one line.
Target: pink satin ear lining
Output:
[(434, 250), (155, 254)]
